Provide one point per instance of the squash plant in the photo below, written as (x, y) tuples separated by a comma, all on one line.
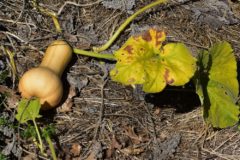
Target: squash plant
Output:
[(147, 60), (42, 86), (144, 60)]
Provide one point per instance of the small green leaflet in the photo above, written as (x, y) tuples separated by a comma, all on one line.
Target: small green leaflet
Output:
[(217, 85), (28, 110)]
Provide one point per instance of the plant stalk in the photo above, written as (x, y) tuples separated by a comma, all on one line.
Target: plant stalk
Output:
[(48, 13), (125, 24), (39, 137), (48, 139), (95, 54)]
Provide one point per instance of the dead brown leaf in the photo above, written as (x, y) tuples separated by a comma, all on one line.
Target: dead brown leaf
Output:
[(67, 105), (129, 131), (29, 157), (12, 98), (136, 139), (157, 111), (92, 156), (76, 149), (96, 150), (114, 145), (132, 150)]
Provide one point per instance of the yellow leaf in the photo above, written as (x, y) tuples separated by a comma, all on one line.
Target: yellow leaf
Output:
[(143, 60)]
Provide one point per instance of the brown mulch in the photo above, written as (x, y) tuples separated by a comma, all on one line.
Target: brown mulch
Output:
[(102, 119)]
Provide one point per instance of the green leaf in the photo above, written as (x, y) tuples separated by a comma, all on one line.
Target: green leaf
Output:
[(29, 132), (3, 121), (143, 60), (3, 157), (48, 131), (217, 85), (28, 110)]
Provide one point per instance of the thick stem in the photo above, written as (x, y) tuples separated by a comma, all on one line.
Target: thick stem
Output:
[(125, 24), (95, 54)]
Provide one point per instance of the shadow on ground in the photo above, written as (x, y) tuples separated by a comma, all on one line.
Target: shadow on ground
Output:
[(183, 99)]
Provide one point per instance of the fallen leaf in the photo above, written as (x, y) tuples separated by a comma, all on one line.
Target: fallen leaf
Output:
[(129, 131), (92, 156), (132, 150), (12, 98), (29, 157), (114, 145), (67, 105), (157, 111), (76, 149), (95, 152)]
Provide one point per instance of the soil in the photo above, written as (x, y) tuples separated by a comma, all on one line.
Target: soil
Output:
[(99, 118)]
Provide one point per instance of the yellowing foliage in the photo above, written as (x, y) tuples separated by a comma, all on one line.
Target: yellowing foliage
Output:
[(144, 60)]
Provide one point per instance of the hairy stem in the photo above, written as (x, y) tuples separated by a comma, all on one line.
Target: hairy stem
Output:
[(48, 13), (125, 24), (95, 54), (49, 141), (39, 137)]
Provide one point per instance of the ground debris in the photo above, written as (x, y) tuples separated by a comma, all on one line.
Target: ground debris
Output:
[(132, 150), (96, 152), (78, 82), (76, 149), (89, 26), (12, 148), (113, 145), (135, 138), (67, 105), (12, 98), (124, 5), (8, 136), (166, 149), (214, 13)]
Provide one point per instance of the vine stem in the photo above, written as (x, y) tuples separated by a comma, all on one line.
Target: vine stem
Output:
[(111, 57), (39, 137), (48, 139), (95, 54), (49, 13), (125, 24)]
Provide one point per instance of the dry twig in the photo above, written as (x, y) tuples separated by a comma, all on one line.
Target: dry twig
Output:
[(76, 4)]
